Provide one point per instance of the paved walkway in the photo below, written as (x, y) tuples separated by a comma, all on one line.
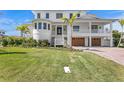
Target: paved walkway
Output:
[(115, 54)]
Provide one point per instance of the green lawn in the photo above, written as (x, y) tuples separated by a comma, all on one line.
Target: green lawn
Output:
[(32, 64)]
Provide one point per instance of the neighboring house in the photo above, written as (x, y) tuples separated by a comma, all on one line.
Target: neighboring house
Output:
[(2, 33), (88, 30)]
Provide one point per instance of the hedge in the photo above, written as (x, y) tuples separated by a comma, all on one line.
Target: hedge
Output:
[(12, 41)]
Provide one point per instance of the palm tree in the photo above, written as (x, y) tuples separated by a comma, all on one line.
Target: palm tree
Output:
[(23, 28), (122, 26), (69, 22)]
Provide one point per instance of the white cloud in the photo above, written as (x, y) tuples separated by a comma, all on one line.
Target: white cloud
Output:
[(6, 21), (116, 25)]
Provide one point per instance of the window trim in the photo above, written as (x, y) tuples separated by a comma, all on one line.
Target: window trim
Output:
[(59, 16), (35, 25), (44, 26), (40, 25), (78, 15), (94, 28), (38, 15), (47, 16), (76, 30), (49, 27), (70, 15)]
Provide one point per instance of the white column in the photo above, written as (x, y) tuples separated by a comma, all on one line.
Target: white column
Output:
[(111, 38), (90, 39), (55, 30), (55, 42), (55, 35)]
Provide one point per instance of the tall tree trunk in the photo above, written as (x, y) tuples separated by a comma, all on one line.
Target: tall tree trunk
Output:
[(69, 34), (120, 37), (21, 34)]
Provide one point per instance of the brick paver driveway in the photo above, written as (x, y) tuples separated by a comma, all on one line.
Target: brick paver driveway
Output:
[(115, 54)]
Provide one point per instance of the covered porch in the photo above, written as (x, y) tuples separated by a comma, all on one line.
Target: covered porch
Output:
[(94, 29), (59, 34)]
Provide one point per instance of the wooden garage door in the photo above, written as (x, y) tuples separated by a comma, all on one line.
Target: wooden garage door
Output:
[(96, 41), (76, 41)]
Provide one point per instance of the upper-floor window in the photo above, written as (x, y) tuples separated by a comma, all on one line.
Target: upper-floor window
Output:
[(48, 26), (35, 25), (59, 15), (78, 15), (38, 15), (44, 25), (94, 27), (71, 14), (76, 28), (47, 15), (40, 25)]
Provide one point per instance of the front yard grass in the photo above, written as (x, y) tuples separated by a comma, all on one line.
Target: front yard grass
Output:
[(33, 64)]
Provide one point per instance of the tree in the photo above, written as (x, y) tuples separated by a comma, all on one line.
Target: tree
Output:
[(69, 22), (23, 28), (122, 26), (116, 36)]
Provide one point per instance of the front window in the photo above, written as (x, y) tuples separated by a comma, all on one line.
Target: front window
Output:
[(47, 15), (71, 15), (39, 25), (59, 15), (48, 26), (35, 25), (78, 15), (59, 30), (76, 28), (44, 26), (94, 27), (38, 15)]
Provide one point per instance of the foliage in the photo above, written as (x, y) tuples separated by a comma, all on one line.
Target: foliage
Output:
[(71, 20), (121, 22), (12, 41), (122, 25), (24, 29), (116, 37)]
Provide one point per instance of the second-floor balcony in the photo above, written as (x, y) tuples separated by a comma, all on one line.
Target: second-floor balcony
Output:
[(93, 33), (100, 31)]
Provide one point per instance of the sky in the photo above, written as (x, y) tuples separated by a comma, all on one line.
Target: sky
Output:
[(9, 19)]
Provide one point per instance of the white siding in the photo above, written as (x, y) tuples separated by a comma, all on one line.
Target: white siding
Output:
[(52, 13), (105, 42), (84, 27)]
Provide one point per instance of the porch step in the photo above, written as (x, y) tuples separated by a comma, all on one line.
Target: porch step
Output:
[(59, 41)]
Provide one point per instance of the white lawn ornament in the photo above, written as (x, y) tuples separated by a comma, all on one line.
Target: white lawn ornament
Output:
[(66, 69)]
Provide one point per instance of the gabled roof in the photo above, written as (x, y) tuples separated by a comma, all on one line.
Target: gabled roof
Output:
[(94, 18), (88, 16)]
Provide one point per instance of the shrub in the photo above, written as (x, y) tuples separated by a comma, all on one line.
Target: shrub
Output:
[(4, 42), (23, 42)]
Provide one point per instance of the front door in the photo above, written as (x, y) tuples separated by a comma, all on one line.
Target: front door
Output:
[(59, 30)]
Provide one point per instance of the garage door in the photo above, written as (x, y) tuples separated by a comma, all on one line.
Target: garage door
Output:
[(76, 41), (96, 41)]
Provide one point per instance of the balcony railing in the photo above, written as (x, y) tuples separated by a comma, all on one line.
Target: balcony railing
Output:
[(100, 31), (64, 32)]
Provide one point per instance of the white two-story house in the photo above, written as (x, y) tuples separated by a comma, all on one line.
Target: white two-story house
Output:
[(88, 30)]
